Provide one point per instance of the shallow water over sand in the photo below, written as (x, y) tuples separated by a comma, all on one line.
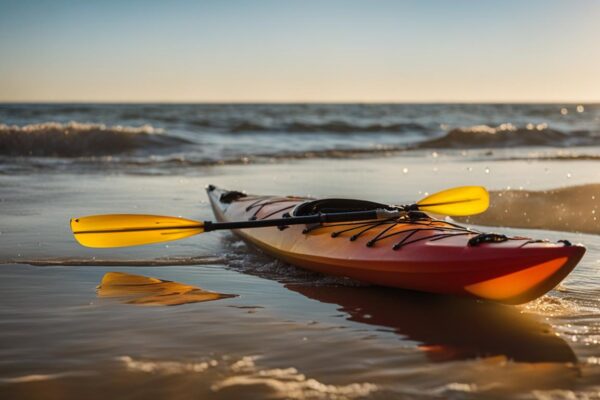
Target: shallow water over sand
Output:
[(288, 333)]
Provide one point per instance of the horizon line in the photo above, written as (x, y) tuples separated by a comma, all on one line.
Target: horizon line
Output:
[(242, 102)]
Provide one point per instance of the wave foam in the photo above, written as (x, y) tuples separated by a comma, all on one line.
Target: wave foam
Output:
[(328, 127), (76, 139), (288, 383), (44, 377), (166, 367), (509, 135)]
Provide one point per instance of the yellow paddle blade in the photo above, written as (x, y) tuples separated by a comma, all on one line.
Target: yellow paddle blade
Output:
[(121, 230), (457, 202)]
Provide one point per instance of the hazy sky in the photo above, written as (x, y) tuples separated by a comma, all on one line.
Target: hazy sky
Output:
[(363, 51)]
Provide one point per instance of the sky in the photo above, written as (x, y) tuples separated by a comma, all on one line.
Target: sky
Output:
[(300, 51)]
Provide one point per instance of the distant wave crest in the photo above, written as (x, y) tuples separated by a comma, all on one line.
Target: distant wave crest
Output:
[(328, 127), (509, 135), (74, 139)]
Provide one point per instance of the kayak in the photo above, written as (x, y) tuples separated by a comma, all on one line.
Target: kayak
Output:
[(416, 252)]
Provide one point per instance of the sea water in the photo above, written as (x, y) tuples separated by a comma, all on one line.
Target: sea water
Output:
[(288, 333)]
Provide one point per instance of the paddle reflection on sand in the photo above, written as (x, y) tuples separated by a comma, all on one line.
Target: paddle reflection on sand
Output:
[(143, 290), (448, 328)]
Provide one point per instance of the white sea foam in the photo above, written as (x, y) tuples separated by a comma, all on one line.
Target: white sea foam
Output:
[(509, 135), (166, 367), (44, 377), (288, 383)]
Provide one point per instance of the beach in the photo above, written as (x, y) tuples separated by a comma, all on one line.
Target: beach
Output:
[(285, 332)]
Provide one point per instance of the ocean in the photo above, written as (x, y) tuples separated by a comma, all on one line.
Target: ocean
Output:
[(288, 333)]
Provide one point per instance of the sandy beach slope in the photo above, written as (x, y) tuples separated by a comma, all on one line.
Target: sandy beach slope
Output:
[(569, 209)]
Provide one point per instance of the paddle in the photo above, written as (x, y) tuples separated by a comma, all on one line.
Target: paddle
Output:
[(121, 230)]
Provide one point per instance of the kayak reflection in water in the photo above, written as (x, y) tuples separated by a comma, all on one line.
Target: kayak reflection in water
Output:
[(448, 328)]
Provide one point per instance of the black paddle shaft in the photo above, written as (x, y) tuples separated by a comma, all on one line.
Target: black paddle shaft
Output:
[(303, 220)]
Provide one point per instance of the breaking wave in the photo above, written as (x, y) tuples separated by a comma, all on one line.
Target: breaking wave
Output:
[(74, 139), (509, 135), (138, 148)]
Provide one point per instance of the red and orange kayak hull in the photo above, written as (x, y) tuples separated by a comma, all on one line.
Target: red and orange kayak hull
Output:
[(514, 271)]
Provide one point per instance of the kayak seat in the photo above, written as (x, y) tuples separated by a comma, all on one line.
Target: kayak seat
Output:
[(335, 206)]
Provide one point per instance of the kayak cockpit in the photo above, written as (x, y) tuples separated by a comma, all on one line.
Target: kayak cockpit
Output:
[(337, 206)]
